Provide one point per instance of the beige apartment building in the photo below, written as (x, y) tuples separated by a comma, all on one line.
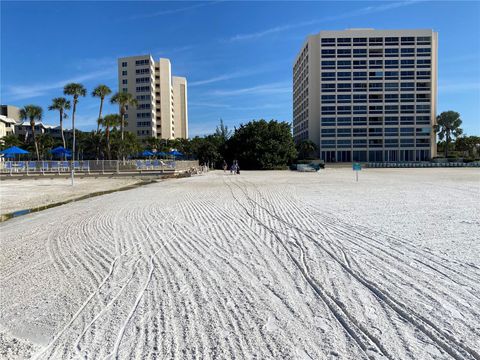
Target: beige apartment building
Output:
[(11, 112), (162, 98), (367, 95)]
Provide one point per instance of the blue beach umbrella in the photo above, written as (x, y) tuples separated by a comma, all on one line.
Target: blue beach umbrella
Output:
[(14, 150), (175, 153), (147, 153)]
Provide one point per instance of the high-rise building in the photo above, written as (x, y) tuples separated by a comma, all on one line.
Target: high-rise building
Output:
[(367, 95), (159, 97)]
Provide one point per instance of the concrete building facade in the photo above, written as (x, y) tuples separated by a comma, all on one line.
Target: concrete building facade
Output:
[(11, 112), (7, 126), (152, 84), (367, 95)]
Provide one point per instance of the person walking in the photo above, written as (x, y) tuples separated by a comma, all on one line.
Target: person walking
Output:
[(225, 166), (238, 169)]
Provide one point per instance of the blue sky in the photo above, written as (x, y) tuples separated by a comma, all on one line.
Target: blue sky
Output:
[(237, 56)]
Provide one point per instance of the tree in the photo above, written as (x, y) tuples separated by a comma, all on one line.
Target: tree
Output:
[(108, 122), (262, 145), (223, 132), (32, 113), (448, 126), (123, 100), (76, 90), (468, 144), (45, 143), (101, 91), (10, 140), (305, 148), (61, 104), (128, 146)]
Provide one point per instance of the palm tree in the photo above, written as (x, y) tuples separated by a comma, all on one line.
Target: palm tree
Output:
[(9, 141), (448, 126), (101, 91), (61, 104), (76, 90), (305, 148), (123, 100), (109, 121), (32, 113)]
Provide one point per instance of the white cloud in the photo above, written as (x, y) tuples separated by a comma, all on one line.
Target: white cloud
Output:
[(272, 88), (170, 11), (20, 92), (281, 28)]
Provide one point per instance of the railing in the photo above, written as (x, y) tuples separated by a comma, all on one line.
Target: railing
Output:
[(397, 164), (95, 166)]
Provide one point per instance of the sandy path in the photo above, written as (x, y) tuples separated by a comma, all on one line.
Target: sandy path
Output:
[(263, 265)]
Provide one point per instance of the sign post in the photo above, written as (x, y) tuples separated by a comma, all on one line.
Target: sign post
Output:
[(356, 167)]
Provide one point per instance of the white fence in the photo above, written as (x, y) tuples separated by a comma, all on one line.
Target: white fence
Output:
[(94, 166), (421, 164)]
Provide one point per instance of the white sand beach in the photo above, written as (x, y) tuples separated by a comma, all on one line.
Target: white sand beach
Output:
[(28, 193), (266, 265)]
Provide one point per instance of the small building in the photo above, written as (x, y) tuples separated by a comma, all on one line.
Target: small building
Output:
[(7, 126), (24, 129), (11, 112)]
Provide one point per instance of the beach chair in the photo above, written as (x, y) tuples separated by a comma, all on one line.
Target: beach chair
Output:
[(156, 164), (139, 165), (8, 167), (148, 164), (44, 167), (21, 166), (31, 166), (64, 166), (86, 166), (55, 166)]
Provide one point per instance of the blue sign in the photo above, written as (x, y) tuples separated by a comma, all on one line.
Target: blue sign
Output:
[(356, 167)]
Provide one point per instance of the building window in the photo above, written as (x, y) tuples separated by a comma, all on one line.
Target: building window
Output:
[(344, 42), (359, 41), (124, 72), (407, 64), (408, 40), (391, 41), (408, 52), (124, 81), (359, 64), (344, 121), (391, 131), (328, 42), (344, 132), (359, 52), (391, 64), (425, 75), (328, 64), (124, 64), (391, 52), (328, 132), (344, 53), (142, 62), (344, 64), (328, 121), (391, 120), (359, 132), (328, 53), (359, 75), (423, 63)]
